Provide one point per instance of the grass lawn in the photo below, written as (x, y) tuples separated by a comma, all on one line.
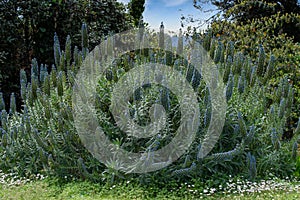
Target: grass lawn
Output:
[(51, 189)]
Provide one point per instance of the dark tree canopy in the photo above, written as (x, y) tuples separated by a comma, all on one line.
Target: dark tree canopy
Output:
[(28, 26), (255, 9), (136, 9), (244, 11), (34, 22)]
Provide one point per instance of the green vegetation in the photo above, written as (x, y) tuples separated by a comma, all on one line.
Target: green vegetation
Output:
[(258, 64), (136, 9), (28, 26), (275, 25), (42, 138), (55, 189), (244, 12)]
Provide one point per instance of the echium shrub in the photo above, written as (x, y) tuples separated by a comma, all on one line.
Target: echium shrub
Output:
[(43, 139)]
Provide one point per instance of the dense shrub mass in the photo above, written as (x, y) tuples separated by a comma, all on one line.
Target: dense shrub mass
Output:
[(273, 24), (43, 139), (249, 36), (27, 28)]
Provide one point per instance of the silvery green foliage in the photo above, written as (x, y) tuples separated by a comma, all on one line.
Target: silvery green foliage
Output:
[(71, 76), (230, 50), (252, 166), (76, 56), (227, 156), (161, 41), (84, 39), (83, 169), (247, 68), (23, 82), (289, 101), (23, 76), (272, 110), (185, 171), (242, 125), (4, 119), (179, 49), (165, 98), (3, 137), (238, 63), (169, 50), (29, 96), (47, 85), (57, 51), (250, 135), (253, 75), (34, 68), (275, 137), (294, 150), (60, 87), (282, 108), (219, 54), (297, 130), (196, 79), (152, 56), (229, 87), (284, 90), (207, 40), (261, 61), (242, 82), (2, 103), (48, 136), (68, 46), (13, 106), (285, 87), (34, 85), (43, 72), (62, 61), (53, 76), (213, 45), (207, 103), (227, 70), (270, 68), (154, 143), (43, 131), (207, 117), (187, 160), (189, 73)]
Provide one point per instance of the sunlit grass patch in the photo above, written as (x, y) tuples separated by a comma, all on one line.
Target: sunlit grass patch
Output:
[(235, 188)]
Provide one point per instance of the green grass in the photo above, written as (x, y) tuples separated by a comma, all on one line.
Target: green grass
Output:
[(53, 189)]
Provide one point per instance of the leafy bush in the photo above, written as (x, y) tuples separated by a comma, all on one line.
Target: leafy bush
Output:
[(42, 138), (251, 36), (272, 24)]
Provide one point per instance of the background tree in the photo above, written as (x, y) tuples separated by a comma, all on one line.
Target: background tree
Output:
[(136, 9), (244, 11), (28, 26)]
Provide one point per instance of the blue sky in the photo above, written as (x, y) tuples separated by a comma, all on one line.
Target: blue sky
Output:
[(170, 12)]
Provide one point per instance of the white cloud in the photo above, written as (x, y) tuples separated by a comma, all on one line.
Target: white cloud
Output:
[(124, 1), (171, 3)]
